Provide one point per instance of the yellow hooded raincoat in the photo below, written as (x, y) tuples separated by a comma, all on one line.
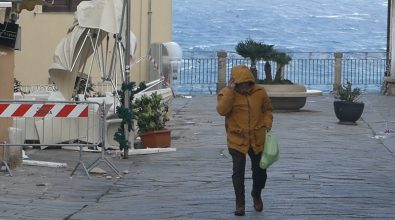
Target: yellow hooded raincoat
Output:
[(247, 117)]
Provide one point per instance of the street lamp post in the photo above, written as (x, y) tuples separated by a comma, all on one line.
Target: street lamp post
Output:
[(127, 73)]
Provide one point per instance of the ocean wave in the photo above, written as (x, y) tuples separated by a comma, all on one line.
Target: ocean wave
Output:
[(325, 16), (356, 16), (342, 26)]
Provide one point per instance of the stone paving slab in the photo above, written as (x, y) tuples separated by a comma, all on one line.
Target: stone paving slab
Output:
[(326, 171)]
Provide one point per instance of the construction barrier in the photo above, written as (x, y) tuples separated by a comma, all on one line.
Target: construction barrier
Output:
[(56, 123)]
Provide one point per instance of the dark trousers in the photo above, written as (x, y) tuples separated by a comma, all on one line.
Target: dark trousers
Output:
[(259, 175)]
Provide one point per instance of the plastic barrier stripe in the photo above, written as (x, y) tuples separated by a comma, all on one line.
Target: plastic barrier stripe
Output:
[(55, 110), (77, 111), (44, 110), (48, 110), (3, 107), (32, 110), (84, 112), (11, 108), (23, 108), (65, 111)]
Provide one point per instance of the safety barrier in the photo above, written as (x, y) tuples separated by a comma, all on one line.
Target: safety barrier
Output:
[(57, 123)]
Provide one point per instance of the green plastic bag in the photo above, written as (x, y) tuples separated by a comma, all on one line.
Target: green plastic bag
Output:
[(270, 151)]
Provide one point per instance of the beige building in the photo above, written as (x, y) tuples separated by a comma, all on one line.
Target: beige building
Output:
[(44, 27), (390, 78)]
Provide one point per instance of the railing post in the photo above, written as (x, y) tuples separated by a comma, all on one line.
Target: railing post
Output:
[(221, 83), (338, 71)]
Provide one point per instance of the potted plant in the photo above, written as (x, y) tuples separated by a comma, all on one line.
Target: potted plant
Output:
[(283, 93), (255, 51), (348, 108), (151, 114)]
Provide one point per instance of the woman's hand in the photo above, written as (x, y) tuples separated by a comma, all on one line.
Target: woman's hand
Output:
[(231, 83)]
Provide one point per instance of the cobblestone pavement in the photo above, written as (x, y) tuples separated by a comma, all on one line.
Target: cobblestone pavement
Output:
[(326, 171)]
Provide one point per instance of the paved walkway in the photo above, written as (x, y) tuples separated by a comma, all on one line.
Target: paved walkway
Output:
[(326, 171)]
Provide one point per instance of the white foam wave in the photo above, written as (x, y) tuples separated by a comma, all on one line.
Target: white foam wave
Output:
[(354, 16), (326, 16)]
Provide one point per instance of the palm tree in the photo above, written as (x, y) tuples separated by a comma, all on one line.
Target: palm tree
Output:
[(254, 51), (267, 55), (281, 59)]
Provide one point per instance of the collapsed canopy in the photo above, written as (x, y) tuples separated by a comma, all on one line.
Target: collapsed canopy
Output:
[(94, 20), (103, 14)]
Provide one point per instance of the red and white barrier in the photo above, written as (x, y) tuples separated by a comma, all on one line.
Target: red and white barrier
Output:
[(47, 110)]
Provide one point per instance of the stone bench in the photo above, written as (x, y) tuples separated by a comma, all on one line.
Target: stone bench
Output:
[(289, 97), (307, 93)]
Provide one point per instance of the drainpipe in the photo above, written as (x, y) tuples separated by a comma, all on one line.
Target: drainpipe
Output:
[(388, 57), (149, 24), (127, 43), (149, 27)]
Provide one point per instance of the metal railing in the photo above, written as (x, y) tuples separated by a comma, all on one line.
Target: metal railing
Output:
[(199, 74), (315, 70)]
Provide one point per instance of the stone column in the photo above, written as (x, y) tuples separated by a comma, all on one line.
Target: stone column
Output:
[(221, 83), (7, 62), (338, 71)]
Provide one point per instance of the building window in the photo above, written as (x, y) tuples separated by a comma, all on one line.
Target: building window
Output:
[(61, 5)]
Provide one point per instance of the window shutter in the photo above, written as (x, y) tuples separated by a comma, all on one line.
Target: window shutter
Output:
[(57, 6), (74, 4), (61, 5)]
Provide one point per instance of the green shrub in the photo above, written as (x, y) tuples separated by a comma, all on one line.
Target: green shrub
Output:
[(151, 112), (346, 93)]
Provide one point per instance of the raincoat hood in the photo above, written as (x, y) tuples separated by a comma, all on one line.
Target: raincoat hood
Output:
[(241, 74)]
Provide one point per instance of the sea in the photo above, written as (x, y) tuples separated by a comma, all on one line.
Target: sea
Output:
[(290, 25), (202, 27)]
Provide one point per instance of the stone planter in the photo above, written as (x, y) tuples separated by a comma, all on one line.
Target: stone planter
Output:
[(289, 97)]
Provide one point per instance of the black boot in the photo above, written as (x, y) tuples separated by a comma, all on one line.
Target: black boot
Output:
[(258, 204), (240, 208), (239, 160), (240, 201)]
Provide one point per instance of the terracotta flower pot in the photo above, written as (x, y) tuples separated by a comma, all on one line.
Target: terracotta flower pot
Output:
[(156, 139)]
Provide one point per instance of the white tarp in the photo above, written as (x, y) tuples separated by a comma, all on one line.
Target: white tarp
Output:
[(65, 52), (102, 14), (105, 15), (61, 71), (95, 15)]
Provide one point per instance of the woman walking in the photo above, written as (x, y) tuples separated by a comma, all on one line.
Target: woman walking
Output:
[(248, 115)]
